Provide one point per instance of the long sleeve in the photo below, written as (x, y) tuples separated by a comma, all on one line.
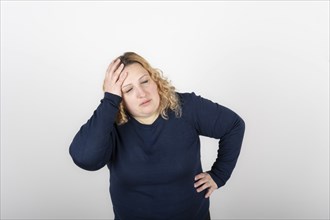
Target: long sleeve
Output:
[(92, 146), (216, 121)]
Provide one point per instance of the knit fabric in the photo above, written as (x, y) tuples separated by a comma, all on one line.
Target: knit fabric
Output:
[(152, 167)]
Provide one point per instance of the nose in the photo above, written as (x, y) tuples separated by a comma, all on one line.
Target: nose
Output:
[(140, 92)]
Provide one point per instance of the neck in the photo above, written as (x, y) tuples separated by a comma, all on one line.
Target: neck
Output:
[(147, 120)]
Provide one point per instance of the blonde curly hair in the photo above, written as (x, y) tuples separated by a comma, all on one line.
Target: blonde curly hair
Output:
[(168, 97)]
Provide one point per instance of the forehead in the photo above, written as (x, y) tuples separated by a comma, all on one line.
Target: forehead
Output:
[(135, 70)]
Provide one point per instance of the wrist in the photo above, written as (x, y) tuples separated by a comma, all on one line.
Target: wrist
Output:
[(113, 98), (113, 92)]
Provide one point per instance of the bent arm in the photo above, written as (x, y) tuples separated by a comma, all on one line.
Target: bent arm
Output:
[(216, 121), (92, 146), (228, 152)]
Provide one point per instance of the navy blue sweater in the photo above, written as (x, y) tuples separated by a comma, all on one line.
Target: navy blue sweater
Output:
[(152, 167)]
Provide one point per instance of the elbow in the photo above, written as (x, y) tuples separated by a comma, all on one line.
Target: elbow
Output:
[(84, 162), (86, 166), (240, 124)]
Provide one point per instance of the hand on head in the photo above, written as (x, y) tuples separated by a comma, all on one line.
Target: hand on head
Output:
[(114, 78)]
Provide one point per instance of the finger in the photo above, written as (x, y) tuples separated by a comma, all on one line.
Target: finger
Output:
[(116, 74), (110, 66), (121, 79), (113, 66), (200, 182), (203, 187), (200, 176), (209, 192)]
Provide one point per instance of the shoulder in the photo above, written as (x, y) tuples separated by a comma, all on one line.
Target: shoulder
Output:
[(195, 109), (193, 104), (189, 103), (192, 100), (186, 98)]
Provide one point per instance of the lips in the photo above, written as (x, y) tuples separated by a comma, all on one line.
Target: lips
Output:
[(145, 102)]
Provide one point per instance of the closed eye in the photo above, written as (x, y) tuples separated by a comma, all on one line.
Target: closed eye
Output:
[(145, 81), (127, 91)]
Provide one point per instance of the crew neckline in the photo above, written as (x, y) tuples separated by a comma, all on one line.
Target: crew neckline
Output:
[(147, 126)]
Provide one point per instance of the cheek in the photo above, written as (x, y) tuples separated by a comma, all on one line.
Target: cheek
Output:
[(154, 89), (156, 93), (128, 103)]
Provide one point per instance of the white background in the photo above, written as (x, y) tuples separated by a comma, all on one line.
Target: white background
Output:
[(266, 60)]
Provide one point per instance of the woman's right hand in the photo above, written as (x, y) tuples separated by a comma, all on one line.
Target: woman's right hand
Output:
[(114, 78)]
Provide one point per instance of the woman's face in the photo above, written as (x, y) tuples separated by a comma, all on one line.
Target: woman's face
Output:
[(140, 94)]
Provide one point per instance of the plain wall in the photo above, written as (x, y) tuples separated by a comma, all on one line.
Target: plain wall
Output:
[(268, 61)]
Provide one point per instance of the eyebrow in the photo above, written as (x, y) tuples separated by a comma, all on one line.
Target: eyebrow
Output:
[(131, 83)]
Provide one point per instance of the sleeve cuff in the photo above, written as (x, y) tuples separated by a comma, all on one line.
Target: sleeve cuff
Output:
[(217, 180), (114, 99)]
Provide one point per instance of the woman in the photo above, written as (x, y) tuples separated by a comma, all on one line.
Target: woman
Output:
[(148, 136)]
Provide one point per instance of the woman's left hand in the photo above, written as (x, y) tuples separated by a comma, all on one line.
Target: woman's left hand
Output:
[(204, 181)]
